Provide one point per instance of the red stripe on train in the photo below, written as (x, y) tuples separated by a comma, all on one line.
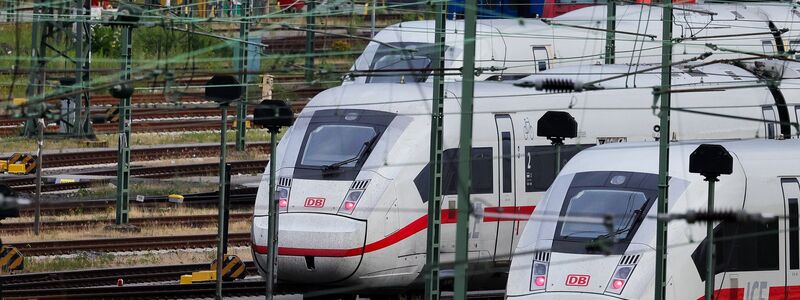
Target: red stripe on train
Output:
[(449, 216)]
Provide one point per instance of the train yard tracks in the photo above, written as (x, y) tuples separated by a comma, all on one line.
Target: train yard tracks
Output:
[(129, 244), (26, 183), (186, 221), (240, 198), (103, 277)]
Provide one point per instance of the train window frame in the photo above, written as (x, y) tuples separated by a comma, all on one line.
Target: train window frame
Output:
[(379, 120), (797, 116), (480, 184), (645, 183), (759, 254)]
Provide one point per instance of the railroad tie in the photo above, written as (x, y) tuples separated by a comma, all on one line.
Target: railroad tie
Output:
[(11, 259), (232, 269)]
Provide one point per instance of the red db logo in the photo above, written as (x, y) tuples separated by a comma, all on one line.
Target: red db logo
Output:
[(577, 280), (315, 202)]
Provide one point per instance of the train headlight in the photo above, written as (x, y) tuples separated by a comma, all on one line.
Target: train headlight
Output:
[(621, 274), (282, 194), (353, 196), (350, 201), (541, 262)]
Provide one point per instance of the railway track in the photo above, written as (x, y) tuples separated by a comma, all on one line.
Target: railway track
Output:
[(26, 183), (129, 244), (240, 198), (186, 221), (158, 120), (94, 157), (171, 291), (103, 277)]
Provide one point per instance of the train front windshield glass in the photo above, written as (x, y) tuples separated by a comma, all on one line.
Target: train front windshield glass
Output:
[(331, 144), (412, 61), (625, 208)]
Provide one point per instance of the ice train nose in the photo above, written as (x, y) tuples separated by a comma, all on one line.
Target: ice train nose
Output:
[(313, 248)]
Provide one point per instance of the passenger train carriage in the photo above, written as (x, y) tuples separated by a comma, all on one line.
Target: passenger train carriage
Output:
[(507, 48), (754, 260), (353, 169)]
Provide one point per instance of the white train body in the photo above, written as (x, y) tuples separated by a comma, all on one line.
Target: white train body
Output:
[(758, 260), (379, 238), (527, 46)]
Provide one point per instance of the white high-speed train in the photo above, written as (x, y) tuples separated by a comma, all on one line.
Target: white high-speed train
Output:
[(510, 47), (754, 260), (353, 169)]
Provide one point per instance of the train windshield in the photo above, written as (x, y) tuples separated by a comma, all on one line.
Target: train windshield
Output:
[(337, 142), (402, 62), (625, 207), (621, 199), (337, 145)]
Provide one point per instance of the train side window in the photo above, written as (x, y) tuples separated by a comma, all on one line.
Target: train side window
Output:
[(741, 247), (540, 168), (766, 45), (506, 150), (481, 173), (541, 58), (769, 117)]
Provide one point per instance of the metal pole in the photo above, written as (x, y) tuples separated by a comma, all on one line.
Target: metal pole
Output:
[(227, 208), (465, 152), (272, 235), (663, 152), (437, 123), (221, 206), (558, 157), (611, 27), (310, 41), (123, 147), (710, 241), (37, 215), (241, 66), (372, 28)]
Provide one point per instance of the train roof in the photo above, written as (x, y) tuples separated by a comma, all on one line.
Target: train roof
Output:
[(756, 156), (681, 75), (721, 11)]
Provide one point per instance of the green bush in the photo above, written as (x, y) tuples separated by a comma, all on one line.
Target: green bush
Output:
[(105, 41)]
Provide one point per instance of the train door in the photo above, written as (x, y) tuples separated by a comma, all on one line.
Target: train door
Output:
[(541, 58), (791, 196), (506, 201)]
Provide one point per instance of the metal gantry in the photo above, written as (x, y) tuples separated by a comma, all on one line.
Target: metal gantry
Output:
[(124, 147), (61, 40), (240, 58), (465, 152), (663, 151), (437, 126)]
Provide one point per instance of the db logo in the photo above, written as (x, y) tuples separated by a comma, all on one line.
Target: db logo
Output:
[(577, 280), (315, 202)]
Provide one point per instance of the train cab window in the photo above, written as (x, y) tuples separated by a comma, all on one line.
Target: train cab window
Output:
[(741, 247), (541, 58), (412, 66), (329, 144), (625, 196), (540, 168), (481, 173)]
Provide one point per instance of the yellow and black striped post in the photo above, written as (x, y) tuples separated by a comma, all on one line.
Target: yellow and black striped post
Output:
[(11, 259), (232, 269)]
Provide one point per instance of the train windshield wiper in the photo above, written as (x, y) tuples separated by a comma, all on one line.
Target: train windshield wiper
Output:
[(365, 149)]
